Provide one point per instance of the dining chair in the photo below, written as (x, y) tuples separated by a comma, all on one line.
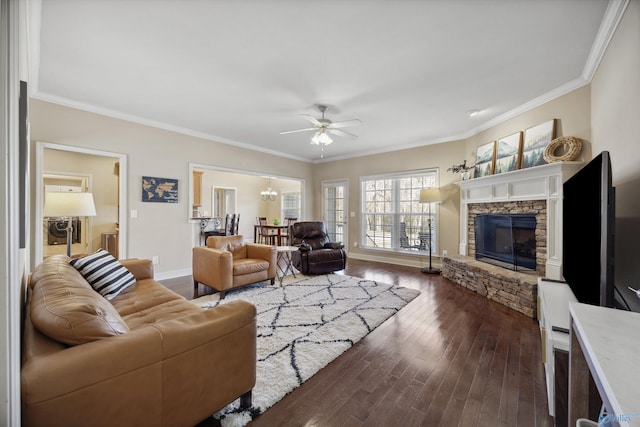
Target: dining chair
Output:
[(236, 224), (288, 221), (229, 221), (263, 233)]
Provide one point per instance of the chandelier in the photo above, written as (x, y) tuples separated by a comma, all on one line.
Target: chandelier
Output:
[(268, 194)]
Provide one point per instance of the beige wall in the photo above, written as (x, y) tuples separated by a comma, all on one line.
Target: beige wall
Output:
[(603, 114), (161, 229), (615, 120), (572, 112), (440, 156)]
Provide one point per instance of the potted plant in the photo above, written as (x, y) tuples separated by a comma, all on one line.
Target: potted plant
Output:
[(463, 169), (276, 221)]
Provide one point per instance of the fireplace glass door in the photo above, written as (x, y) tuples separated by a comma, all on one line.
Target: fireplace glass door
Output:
[(507, 240)]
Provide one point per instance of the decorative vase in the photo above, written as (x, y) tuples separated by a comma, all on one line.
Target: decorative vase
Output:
[(465, 175)]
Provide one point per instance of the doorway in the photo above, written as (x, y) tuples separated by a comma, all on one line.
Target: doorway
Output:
[(335, 202), (55, 228), (105, 174)]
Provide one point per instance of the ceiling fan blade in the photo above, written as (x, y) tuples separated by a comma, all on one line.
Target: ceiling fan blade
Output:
[(311, 119), (341, 133), (297, 130), (345, 123)]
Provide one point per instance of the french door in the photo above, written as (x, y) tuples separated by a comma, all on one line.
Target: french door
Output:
[(335, 203)]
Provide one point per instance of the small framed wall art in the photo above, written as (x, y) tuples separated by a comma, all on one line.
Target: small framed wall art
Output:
[(160, 190), (485, 160), (536, 139), (508, 151)]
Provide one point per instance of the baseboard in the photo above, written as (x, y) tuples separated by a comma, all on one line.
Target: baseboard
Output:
[(172, 274), (419, 262)]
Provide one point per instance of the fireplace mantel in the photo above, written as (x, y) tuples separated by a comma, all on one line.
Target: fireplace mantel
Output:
[(537, 183)]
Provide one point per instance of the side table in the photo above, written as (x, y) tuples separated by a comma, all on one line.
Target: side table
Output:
[(284, 256)]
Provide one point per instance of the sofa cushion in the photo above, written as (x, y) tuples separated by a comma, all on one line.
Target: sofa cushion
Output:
[(104, 273), (249, 265), (65, 308)]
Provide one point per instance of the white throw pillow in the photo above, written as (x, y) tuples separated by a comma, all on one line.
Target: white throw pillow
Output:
[(104, 273)]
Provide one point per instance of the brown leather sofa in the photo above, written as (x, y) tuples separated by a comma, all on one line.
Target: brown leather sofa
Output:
[(227, 262), (316, 253), (148, 357)]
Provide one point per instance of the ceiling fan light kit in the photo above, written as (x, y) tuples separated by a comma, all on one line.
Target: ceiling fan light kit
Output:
[(321, 137), (323, 127)]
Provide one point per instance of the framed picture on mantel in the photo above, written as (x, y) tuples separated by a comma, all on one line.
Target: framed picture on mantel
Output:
[(508, 151), (536, 139), (485, 160)]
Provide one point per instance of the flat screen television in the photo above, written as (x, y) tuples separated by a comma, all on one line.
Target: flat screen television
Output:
[(589, 232)]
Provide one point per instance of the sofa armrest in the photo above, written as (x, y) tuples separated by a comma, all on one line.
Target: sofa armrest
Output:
[(213, 267), (260, 251), (265, 252), (212, 351), (53, 375), (140, 268)]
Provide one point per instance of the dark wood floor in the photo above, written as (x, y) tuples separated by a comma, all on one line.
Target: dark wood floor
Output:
[(449, 358)]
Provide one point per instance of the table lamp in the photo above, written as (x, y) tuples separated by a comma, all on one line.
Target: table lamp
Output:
[(68, 205)]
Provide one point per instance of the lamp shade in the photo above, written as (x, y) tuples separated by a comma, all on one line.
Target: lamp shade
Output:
[(69, 204), (430, 195), (321, 137)]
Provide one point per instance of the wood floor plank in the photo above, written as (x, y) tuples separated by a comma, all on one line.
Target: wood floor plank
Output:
[(449, 358)]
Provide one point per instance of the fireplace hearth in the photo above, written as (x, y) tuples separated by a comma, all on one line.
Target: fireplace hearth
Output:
[(506, 240)]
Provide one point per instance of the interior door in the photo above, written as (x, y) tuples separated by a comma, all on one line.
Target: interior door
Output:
[(335, 202)]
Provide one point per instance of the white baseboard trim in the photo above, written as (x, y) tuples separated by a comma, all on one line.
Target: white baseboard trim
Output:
[(419, 262), (172, 274)]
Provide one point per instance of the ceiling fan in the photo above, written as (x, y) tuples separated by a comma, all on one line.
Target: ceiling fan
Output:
[(323, 127)]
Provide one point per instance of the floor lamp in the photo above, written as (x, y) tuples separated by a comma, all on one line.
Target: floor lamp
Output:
[(69, 205), (430, 195)]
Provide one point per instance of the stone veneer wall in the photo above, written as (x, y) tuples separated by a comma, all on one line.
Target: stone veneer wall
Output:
[(516, 290), (537, 207)]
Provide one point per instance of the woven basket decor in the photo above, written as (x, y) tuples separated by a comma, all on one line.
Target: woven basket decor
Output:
[(571, 145)]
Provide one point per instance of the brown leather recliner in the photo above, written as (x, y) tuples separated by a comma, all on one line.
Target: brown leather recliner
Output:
[(228, 262), (316, 253)]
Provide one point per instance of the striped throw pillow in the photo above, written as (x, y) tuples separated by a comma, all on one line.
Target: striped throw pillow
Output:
[(104, 273)]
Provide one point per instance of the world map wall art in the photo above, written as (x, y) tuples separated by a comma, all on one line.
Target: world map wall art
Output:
[(160, 190)]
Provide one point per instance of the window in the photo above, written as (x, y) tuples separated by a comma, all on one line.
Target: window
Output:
[(392, 216), (291, 206)]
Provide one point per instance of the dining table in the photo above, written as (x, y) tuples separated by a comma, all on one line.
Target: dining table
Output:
[(279, 232)]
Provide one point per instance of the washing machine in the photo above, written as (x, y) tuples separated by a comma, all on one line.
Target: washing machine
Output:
[(57, 230)]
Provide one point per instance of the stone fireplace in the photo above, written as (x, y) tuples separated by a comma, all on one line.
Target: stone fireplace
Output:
[(537, 208), (536, 191)]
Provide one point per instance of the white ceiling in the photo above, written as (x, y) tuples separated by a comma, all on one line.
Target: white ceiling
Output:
[(242, 71)]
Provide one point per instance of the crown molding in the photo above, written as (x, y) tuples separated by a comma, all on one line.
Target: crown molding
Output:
[(156, 124), (612, 16)]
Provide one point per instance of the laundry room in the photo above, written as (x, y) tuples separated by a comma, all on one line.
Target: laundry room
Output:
[(72, 172)]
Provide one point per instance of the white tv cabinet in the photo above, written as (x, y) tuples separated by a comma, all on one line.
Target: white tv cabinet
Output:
[(554, 321)]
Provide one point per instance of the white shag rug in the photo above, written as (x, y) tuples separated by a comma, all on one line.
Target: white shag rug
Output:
[(303, 325)]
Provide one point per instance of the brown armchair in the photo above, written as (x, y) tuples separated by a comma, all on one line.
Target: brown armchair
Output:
[(226, 262), (316, 254)]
